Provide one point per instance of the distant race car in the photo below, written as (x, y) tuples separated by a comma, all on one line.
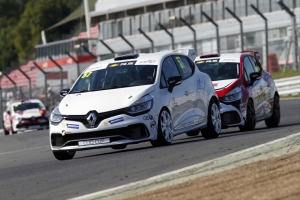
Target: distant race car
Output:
[(135, 98), (247, 93), (24, 115)]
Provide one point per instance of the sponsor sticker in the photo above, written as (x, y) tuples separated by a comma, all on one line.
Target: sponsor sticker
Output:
[(121, 64), (147, 62), (201, 84), (153, 126), (86, 74), (73, 126), (63, 125), (116, 120), (200, 62), (181, 64), (148, 117), (105, 123), (229, 60)]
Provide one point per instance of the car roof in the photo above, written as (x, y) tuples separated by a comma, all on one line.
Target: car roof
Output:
[(141, 57), (234, 56)]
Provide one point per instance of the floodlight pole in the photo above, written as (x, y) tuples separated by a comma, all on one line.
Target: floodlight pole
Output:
[(76, 61), (241, 27), (193, 30), (45, 82), (217, 30), (110, 49), (170, 34), (266, 35), (295, 32), (146, 36), (61, 72), (29, 81), (132, 47)]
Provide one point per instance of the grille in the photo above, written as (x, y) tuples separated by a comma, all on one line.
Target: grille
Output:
[(100, 117)]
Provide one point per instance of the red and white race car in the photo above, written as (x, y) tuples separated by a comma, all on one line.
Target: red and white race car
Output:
[(247, 93), (25, 115)]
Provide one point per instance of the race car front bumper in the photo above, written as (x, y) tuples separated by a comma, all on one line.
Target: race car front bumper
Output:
[(116, 130), (230, 116)]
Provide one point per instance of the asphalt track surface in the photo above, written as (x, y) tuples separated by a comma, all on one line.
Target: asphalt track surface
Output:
[(28, 169)]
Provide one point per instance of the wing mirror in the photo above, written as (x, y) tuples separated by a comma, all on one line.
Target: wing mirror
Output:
[(255, 76), (64, 92), (173, 81)]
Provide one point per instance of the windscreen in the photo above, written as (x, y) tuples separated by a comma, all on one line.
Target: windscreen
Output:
[(219, 70), (27, 106), (115, 76)]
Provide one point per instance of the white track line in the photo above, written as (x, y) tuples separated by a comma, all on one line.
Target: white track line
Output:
[(97, 194), (23, 150)]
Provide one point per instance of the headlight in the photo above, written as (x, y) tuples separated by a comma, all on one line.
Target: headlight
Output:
[(144, 104), (55, 115), (18, 118), (233, 95)]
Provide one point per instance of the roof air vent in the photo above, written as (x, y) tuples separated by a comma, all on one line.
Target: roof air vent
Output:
[(127, 56), (213, 55)]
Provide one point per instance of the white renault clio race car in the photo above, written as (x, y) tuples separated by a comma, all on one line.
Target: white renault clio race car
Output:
[(135, 98)]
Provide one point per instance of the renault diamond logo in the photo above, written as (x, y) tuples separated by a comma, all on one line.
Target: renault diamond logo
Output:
[(91, 119)]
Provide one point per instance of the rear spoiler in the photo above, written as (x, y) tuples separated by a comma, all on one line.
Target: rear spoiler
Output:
[(191, 53), (254, 53)]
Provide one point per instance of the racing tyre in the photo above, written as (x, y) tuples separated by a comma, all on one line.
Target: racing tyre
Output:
[(251, 118), (193, 133), (165, 130), (274, 120), (213, 128), (6, 132), (64, 155), (12, 130), (120, 146)]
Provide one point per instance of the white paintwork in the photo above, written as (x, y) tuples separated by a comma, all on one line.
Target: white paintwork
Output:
[(103, 101), (187, 104), (222, 83)]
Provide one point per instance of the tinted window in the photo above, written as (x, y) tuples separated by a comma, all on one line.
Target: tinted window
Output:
[(248, 68), (116, 75), (219, 70), (255, 63), (26, 106), (184, 66), (169, 68)]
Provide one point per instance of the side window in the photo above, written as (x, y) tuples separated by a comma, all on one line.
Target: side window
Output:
[(248, 68), (184, 66), (256, 64), (163, 82), (169, 69)]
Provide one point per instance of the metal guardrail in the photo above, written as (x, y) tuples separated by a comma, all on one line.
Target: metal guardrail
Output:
[(288, 86)]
